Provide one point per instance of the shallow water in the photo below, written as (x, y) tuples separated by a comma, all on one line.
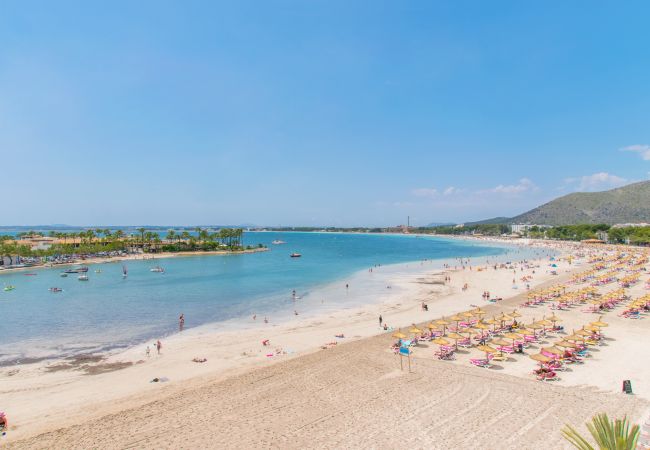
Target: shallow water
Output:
[(111, 312)]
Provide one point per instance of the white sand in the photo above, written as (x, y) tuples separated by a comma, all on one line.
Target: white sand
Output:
[(392, 408)]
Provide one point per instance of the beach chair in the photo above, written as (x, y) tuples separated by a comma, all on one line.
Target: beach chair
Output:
[(509, 349), (479, 362)]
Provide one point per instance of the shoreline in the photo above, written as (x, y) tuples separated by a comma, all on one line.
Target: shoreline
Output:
[(325, 290), (134, 257), (234, 351)]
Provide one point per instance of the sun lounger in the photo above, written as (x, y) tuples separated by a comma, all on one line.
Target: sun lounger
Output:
[(480, 363)]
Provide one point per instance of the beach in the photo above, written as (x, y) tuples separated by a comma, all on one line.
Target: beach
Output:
[(311, 388)]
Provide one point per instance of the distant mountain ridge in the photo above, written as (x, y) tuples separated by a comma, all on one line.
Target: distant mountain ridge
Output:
[(627, 204)]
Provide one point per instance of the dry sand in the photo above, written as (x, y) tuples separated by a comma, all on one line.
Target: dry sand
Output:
[(349, 395)]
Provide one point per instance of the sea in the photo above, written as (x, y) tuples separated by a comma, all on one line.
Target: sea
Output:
[(109, 312)]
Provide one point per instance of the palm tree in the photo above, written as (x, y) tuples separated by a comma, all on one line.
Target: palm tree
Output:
[(608, 434), (171, 235), (141, 231)]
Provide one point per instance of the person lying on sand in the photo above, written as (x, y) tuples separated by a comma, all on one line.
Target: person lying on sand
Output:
[(199, 360), (340, 336)]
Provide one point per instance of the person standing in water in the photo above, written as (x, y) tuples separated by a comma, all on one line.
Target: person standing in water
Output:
[(381, 319), (181, 322), (158, 346)]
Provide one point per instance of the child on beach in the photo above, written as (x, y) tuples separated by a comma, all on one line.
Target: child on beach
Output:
[(148, 351)]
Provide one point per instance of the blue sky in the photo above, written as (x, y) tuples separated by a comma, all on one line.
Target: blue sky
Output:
[(316, 112)]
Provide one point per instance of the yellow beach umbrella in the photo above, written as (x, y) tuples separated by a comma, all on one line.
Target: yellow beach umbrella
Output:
[(514, 313), (455, 337), (574, 337), (399, 335), (583, 332), (565, 344), (415, 330), (441, 341), (482, 326), (431, 326), (443, 323), (486, 349), (553, 350), (540, 358), (600, 323), (467, 314), (501, 342), (479, 312)]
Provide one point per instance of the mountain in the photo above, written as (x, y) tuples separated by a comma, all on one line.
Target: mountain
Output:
[(627, 204)]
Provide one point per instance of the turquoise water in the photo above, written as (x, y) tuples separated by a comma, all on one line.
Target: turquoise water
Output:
[(111, 312)]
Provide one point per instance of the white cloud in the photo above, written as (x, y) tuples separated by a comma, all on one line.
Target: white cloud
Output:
[(452, 190), (425, 192), (641, 149), (524, 185), (600, 180)]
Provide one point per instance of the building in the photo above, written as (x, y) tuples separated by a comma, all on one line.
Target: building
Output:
[(522, 228)]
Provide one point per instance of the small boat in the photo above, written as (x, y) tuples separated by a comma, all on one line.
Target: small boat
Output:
[(56, 289), (63, 275), (77, 270), (30, 274), (125, 272), (278, 242), (83, 278), (157, 269), (9, 288), (98, 270), (295, 255)]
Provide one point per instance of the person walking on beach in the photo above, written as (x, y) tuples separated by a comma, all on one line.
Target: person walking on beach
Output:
[(148, 351), (381, 319), (158, 346), (181, 322)]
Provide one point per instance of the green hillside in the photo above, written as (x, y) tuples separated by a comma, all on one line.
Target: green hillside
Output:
[(627, 204)]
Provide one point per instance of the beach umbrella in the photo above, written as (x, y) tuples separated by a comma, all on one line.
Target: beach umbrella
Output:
[(455, 337), (486, 349), (467, 314), (504, 317), (574, 337), (553, 351), (600, 323), (501, 342), (415, 330), (513, 336), (493, 322), (514, 313), (540, 358), (482, 326), (440, 341), (443, 323), (456, 318), (565, 344), (399, 335), (431, 326), (554, 318), (592, 328), (583, 332), (478, 312)]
